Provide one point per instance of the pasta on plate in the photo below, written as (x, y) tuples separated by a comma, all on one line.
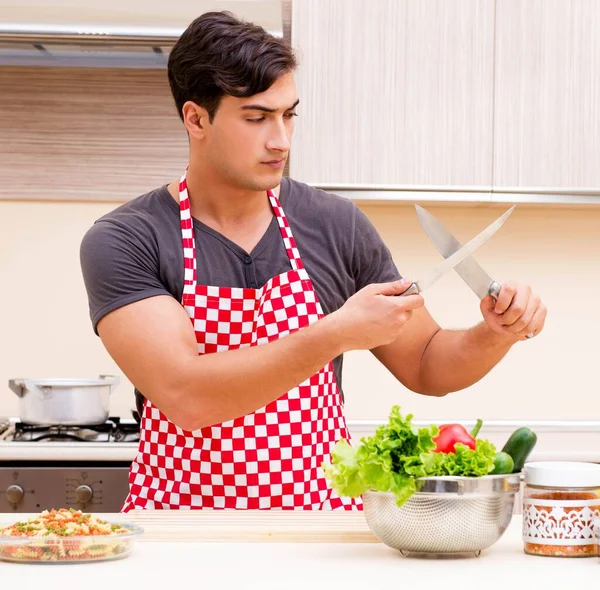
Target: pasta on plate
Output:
[(66, 535)]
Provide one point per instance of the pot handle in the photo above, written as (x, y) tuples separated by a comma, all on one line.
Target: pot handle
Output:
[(20, 386), (17, 386), (111, 380)]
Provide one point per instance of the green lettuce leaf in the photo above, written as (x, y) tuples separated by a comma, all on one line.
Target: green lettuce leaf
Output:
[(396, 455), (466, 462)]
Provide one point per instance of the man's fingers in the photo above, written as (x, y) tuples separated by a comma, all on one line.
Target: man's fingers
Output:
[(517, 307), (536, 323), (394, 288), (526, 316), (410, 302), (505, 297)]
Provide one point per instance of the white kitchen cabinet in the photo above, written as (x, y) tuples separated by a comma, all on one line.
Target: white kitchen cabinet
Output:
[(547, 96), (394, 92)]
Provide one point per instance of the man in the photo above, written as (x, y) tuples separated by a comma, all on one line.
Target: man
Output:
[(229, 296)]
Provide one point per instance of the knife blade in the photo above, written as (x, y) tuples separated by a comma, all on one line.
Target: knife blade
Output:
[(469, 269), (458, 256)]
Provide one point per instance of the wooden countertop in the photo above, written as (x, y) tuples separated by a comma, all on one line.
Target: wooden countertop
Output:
[(293, 526)]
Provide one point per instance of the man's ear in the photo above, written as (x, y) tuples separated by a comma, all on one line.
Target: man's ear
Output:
[(195, 119)]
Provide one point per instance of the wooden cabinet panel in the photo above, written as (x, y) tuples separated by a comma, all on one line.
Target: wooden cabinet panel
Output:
[(87, 134), (394, 92), (547, 105)]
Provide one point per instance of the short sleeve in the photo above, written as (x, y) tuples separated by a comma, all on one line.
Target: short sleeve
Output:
[(118, 269), (371, 258)]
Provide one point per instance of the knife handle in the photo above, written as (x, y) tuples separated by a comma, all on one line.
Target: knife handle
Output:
[(494, 291), (412, 290)]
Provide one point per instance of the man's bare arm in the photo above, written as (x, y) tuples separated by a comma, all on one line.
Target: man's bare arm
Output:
[(436, 362), (153, 343)]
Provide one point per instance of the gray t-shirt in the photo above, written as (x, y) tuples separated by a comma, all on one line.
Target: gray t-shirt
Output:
[(135, 252)]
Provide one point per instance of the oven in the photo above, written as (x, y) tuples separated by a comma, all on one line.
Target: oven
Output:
[(80, 467)]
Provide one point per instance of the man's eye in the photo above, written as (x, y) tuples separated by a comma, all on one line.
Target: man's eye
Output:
[(255, 120), (290, 115)]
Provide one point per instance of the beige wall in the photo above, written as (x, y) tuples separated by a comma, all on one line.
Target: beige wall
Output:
[(550, 377), (46, 331)]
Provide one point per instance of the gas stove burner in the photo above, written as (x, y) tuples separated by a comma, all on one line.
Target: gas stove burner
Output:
[(4, 425), (113, 430)]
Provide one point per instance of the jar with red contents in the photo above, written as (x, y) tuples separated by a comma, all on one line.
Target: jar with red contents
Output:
[(561, 501)]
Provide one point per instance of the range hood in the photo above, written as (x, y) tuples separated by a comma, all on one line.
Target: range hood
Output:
[(87, 46)]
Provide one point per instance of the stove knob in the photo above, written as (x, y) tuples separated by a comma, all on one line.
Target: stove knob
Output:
[(83, 494), (14, 494)]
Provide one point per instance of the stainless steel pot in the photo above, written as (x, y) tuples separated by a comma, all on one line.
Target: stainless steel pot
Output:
[(47, 402)]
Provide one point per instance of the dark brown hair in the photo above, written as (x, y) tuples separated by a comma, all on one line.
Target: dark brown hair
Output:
[(219, 54)]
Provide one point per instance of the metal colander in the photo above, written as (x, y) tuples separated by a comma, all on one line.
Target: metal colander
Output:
[(448, 515)]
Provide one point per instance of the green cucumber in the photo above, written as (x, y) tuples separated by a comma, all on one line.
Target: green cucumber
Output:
[(503, 463), (519, 446)]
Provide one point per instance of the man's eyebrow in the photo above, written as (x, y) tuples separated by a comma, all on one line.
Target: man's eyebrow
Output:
[(258, 107)]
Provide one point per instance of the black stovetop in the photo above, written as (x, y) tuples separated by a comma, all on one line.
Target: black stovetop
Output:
[(114, 430)]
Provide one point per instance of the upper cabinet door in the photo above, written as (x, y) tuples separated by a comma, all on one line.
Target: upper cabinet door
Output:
[(394, 92), (547, 107)]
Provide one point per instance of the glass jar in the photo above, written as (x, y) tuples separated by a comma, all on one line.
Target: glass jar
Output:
[(561, 500)]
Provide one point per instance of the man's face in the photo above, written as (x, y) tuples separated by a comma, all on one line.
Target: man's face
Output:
[(248, 141)]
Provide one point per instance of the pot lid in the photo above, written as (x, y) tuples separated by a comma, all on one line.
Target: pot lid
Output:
[(59, 382)]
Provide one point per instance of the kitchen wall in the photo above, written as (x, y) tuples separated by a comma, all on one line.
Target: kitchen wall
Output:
[(97, 138), (46, 331)]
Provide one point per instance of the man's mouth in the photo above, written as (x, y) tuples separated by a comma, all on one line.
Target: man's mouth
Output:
[(275, 163)]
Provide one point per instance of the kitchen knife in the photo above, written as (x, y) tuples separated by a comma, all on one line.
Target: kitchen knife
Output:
[(458, 256), (468, 269)]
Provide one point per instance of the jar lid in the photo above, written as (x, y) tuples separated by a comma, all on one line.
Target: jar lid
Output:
[(562, 474)]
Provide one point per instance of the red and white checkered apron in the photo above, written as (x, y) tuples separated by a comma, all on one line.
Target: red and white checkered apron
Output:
[(270, 458)]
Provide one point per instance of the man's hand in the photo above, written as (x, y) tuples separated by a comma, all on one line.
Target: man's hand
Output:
[(517, 313), (374, 316)]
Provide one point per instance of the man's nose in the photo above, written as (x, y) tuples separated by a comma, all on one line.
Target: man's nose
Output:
[(279, 140)]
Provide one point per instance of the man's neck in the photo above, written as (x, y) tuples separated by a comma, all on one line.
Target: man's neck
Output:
[(217, 203)]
